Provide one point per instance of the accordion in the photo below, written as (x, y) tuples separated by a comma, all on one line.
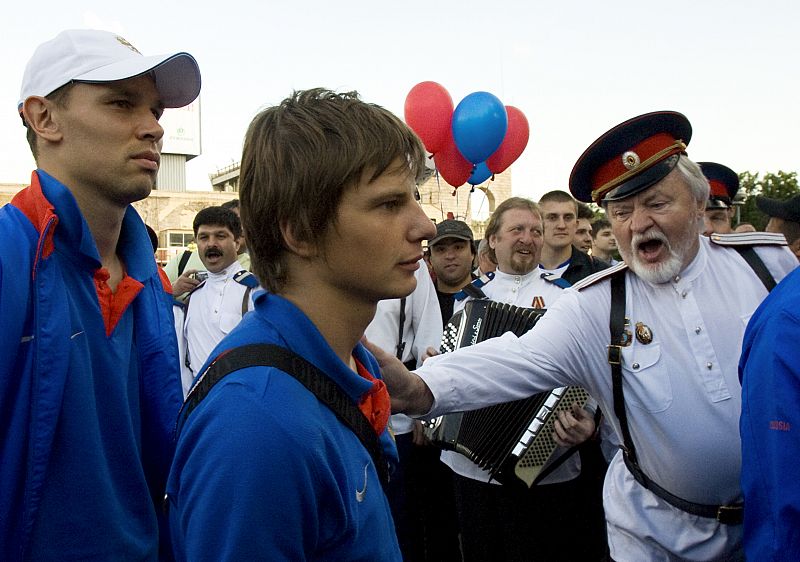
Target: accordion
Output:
[(512, 441)]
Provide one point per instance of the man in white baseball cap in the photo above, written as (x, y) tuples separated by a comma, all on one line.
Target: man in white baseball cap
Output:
[(89, 385)]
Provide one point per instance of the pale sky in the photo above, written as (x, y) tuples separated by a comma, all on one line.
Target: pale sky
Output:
[(575, 68)]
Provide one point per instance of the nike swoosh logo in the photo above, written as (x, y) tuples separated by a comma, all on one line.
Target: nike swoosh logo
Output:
[(361, 494)]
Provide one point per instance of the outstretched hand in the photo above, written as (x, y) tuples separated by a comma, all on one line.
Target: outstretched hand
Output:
[(573, 427), (410, 395)]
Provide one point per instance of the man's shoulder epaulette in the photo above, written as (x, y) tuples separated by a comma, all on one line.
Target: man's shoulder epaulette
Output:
[(599, 276), (246, 278), (749, 239), (556, 280), (475, 289)]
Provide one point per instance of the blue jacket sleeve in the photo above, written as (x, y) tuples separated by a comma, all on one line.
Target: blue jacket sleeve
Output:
[(770, 428)]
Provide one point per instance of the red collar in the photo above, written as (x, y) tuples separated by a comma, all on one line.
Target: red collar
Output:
[(35, 206)]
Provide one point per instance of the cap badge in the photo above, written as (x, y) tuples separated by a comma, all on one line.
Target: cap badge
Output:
[(630, 160), (643, 333), (124, 42)]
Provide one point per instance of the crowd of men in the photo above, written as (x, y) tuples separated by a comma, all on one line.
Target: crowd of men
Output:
[(230, 406)]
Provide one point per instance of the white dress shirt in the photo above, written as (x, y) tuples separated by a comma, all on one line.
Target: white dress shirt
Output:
[(682, 392), (422, 329), (528, 291), (214, 310)]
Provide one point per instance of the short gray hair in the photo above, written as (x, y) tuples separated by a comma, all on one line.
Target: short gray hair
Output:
[(697, 182)]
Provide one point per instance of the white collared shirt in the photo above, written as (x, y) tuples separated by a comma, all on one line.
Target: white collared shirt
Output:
[(682, 392), (528, 291), (422, 329), (214, 310)]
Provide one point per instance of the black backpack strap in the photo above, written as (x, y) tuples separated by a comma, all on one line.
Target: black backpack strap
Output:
[(327, 391), (732, 514), (757, 265), (184, 260)]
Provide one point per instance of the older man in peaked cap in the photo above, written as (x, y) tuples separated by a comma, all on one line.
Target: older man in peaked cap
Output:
[(666, 370)]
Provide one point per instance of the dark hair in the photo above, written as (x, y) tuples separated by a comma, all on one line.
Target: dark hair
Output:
[(59, 98), (298, 159), (497, 217), (790, 231), (599, 225), (218, 216), (585, 211), (153, 237), (231, 205)]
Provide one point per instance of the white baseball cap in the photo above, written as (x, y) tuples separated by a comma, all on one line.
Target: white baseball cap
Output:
[(89, 55)]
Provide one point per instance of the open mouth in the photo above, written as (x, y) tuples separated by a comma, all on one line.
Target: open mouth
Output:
[(651, 249)]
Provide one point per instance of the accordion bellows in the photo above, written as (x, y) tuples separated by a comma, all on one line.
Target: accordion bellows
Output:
[(512, 441)]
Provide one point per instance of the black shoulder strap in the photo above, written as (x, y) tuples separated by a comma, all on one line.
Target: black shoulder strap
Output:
[(327, 391), (184, 260), (246, 300), (401, 345), (732, 514), (473, 291), (757, 265), (617, 328)]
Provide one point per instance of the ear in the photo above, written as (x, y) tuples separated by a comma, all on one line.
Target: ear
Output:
[(38, 113), (296, 245), (492, 241), (795, 248)]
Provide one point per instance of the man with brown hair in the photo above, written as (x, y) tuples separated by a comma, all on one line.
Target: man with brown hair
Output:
[(291, 443), (604, 245), (559, 257), (583, 230), (506, 523)]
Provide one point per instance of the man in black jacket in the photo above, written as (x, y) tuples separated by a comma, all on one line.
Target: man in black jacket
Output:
[(559, 256)]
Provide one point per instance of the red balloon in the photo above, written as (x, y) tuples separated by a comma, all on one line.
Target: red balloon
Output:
[(514, 143), (452, 166), (428, 111)]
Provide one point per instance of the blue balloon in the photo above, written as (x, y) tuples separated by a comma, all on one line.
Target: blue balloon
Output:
[(480, 174), (479, 126)]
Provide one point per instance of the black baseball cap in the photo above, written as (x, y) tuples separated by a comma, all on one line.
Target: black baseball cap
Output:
[(451, 228)]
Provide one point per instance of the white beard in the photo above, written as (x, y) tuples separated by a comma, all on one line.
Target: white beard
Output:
[(663, 271)]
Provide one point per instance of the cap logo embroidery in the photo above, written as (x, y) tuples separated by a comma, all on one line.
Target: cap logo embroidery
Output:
[(124, 42), (630, 160)]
